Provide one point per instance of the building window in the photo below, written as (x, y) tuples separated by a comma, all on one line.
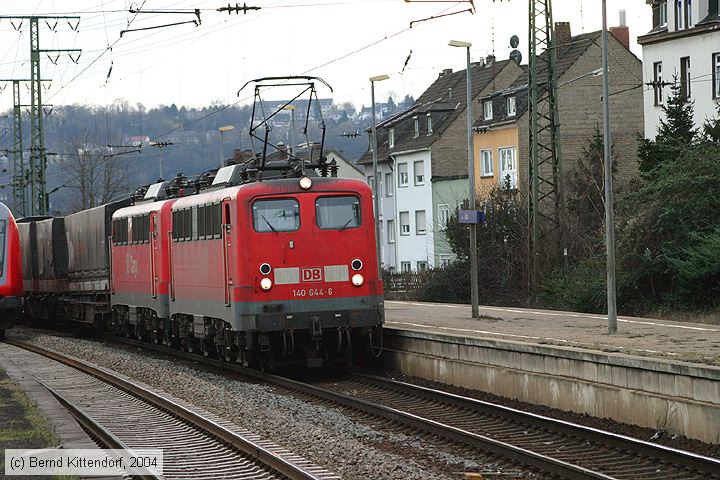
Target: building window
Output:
[(716, 75), (371, 182), (419, 170), (685, 88), (444, 260), (416, 124), (510, 104), (662, 11), (429, 124), (508, 167), (422, 266), (388, 185), (404, 223), (391, 231), (486, 160), (487, 110), (391, 138), (420, 224), (657, 83), (443, 216), (402, 175), (683, 14), (405, 267)]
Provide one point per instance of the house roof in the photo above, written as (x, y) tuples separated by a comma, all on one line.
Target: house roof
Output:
[(444, 100), (567, 54)]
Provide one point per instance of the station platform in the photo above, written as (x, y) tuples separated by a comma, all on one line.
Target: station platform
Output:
[(685, 342), (651, 373)]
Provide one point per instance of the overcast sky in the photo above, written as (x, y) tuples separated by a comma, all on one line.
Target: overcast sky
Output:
[(342, 41)]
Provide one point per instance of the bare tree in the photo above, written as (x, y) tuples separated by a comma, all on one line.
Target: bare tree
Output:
[(92, 173)]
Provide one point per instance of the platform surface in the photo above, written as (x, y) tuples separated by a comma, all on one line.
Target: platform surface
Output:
[(679, 341)]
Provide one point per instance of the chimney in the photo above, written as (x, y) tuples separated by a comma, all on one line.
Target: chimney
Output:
[(563, 34), (622, 33), (489, 60), (446, 71)]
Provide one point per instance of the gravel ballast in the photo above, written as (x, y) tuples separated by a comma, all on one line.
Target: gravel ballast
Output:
[(323, 434)]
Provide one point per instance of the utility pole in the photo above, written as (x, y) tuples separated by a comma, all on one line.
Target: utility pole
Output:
[(38, 158), (20, 172), (546, 203), (609, 212), (19, 197)]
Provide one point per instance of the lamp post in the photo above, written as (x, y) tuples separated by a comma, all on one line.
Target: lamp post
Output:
[(474, 294), (609, 213), (226, 128), (378, 240)]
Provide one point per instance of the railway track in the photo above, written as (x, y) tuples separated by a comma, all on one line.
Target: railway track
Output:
[(552, 446), (119, 413)]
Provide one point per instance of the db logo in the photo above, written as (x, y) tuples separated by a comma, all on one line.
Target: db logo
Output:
[(312, 274)]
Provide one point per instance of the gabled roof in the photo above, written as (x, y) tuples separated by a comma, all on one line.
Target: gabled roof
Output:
[(566, 56), (444, 100)]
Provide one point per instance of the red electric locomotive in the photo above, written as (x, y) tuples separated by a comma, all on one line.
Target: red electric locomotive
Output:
[(281, 271), (11, 282), (139, 265)]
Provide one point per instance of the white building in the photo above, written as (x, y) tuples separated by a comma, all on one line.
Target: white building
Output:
[(683, 46)]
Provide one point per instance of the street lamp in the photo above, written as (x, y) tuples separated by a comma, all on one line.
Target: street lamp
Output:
[(609, 213), (474, 294), (595, 73), (226, 128), (377, 78)]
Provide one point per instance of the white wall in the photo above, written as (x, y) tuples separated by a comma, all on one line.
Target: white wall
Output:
[(387, 209), (413, 248), (700, 49)]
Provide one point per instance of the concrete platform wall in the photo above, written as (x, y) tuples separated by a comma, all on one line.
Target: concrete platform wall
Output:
[(679, 398)]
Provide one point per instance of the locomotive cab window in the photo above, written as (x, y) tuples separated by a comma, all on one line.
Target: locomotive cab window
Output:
[(338, 213), (276, 215)]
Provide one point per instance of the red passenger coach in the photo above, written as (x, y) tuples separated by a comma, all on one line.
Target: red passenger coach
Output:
[(275, 271), (11, 282)]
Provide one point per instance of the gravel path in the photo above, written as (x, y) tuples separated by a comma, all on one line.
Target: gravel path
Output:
[(326, 435)]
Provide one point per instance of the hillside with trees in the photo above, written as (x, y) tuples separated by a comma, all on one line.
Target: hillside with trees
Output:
[(96, 153)]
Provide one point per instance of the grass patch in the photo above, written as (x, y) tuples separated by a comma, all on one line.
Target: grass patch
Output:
[(39, 427), (21, 423)]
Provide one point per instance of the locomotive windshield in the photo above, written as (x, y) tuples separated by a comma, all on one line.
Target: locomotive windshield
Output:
[(338, 213), (277, 215), (3, 224)]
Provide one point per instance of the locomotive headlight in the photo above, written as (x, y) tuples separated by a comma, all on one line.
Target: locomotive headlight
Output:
[(265, 269), (305, 183), (356, 264), (266, 284), (357, 279)]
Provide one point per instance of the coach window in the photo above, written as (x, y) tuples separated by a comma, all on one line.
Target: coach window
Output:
[(338, 213), (188, 224), (277, 215), (3, 226)]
